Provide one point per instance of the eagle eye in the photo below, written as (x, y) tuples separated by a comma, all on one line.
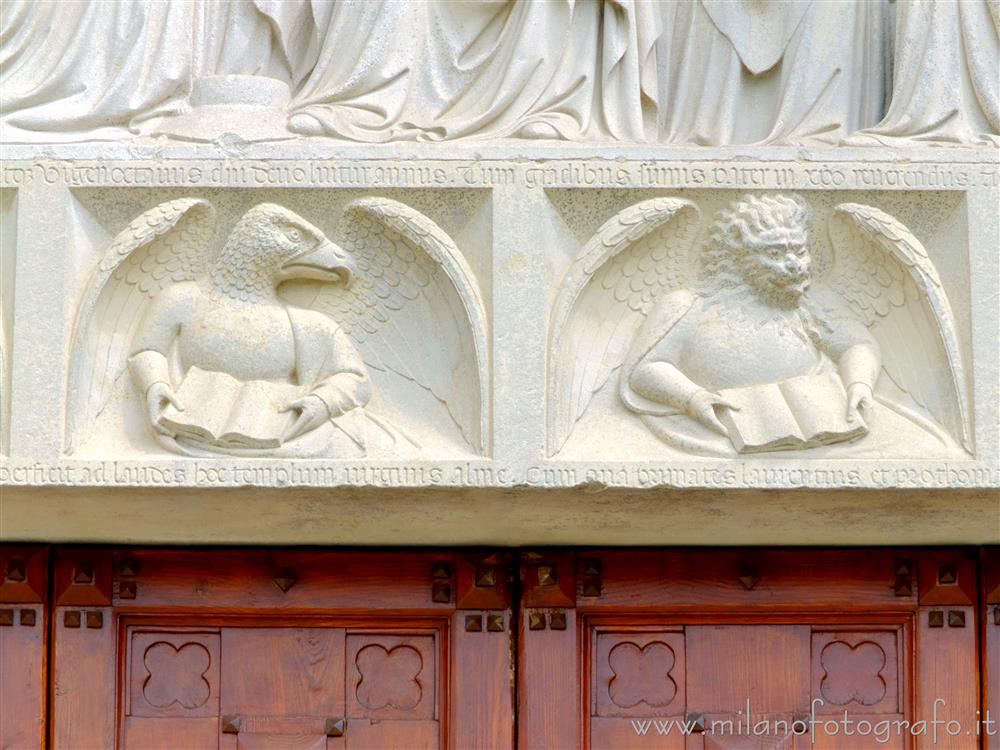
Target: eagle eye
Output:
[(293, 234)]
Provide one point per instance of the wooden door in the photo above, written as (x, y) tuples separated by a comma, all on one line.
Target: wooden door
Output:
[(23, 645), (679, 649), (990, 622), (748, 649), (275, 649)]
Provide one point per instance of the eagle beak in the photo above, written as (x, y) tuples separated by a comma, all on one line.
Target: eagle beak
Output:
[(326, 262)]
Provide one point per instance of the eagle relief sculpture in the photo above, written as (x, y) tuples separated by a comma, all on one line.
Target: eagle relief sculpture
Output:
[(282, 343), (744, 348)]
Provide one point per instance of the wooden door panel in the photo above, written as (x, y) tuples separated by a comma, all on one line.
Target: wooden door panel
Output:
[(281, 687), (84, 677), (548, 696), (857, 671), (637, 734), (366, 734), (280, 649), (233, 579), (24, 623), (283, 672), (391, 676), (481, 649), (172, 672), (170, 733), (288, 741), (990, 624), (844, 580), (300, 649), (724, 673), (793, 631), (947, 684), (764, 666), (638, 689)]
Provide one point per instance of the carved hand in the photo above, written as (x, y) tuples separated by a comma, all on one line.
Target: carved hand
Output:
[(859, 396), (158, 396), (312, 413), (701, 408)]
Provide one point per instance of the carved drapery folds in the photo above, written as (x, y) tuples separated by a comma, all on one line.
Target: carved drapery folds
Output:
[(704, 72)]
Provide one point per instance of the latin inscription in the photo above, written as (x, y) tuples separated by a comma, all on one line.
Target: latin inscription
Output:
[(483, 174), (589, 477)]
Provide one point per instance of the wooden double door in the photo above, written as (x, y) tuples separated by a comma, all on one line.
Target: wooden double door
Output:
[(271, 648)]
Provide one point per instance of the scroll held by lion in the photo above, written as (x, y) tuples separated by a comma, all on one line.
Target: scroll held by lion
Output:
[(741, 347)]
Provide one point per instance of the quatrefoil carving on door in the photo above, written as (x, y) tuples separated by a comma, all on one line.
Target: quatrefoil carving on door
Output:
[(641, 674), (389, 677), (853, 673), (176, 675)]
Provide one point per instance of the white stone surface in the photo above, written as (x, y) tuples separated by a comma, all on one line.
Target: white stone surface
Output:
[(571, 239), (518, 230), (704, 72)]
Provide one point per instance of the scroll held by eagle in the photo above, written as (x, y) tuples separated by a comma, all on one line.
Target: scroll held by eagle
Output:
[(281, 342), (726, 339)]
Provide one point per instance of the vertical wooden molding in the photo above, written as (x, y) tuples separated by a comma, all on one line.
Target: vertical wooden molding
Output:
[(83, 705), (549, 658), (947, 669), (481, 710), (23, 645), (990, 640)]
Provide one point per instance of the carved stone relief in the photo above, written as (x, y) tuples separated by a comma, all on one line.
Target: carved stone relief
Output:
[(742, 333), (264, 337), (8, 249), (707, 72)]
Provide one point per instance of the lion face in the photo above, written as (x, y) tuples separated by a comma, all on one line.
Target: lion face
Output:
[(761, 242), (778, 268)]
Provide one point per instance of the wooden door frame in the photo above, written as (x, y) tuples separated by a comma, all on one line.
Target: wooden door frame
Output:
[(901, 586), (429, 590), (556, 598)]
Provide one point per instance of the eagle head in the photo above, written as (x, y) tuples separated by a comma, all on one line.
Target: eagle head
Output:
[(271, 244)]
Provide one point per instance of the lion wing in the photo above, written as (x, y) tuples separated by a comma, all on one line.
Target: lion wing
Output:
[(887, 279), (634, 258)]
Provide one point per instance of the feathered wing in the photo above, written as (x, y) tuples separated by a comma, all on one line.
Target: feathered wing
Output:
[(634, 258), (166, 244), (413, 308), (887, 279)]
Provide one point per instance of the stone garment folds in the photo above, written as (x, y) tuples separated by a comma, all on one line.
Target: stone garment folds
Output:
[(700, 72)]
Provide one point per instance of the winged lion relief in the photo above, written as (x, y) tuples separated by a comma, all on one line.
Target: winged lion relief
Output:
[(729, 339), (276, 341)]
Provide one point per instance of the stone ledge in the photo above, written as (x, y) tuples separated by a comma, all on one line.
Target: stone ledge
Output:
[(449, 517), (521, 215)]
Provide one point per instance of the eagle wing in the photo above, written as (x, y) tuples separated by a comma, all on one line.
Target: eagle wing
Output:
[(166, 244), (635, 257), (888, 281), (413, 308)]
